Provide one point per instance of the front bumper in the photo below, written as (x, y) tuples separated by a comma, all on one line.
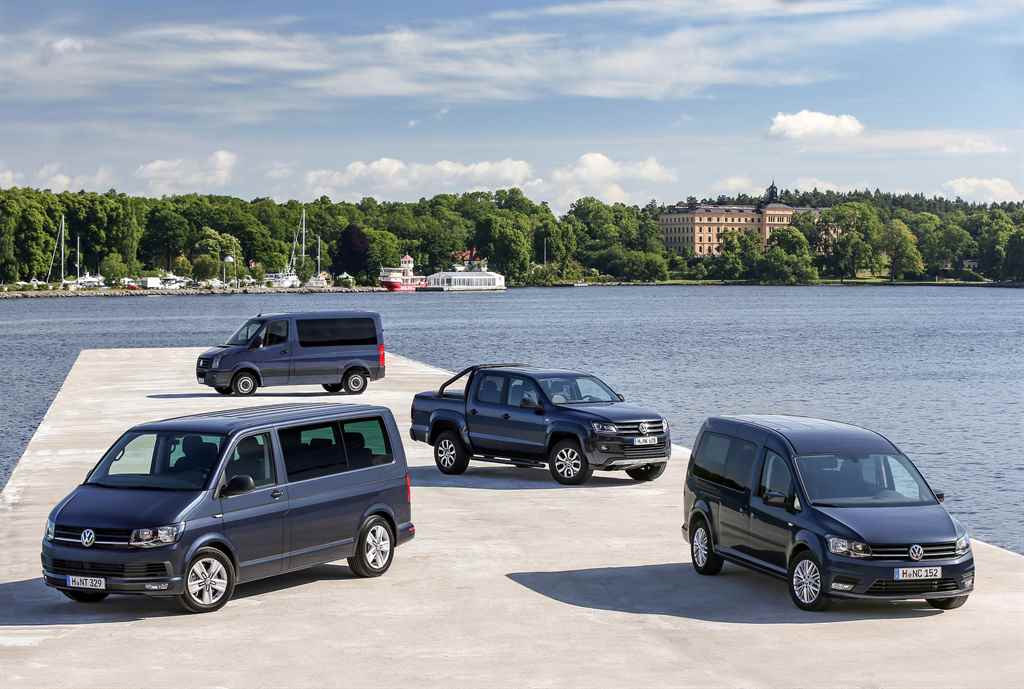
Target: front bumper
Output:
[(213, 377), (875, 579), (151, 571), (610, 452)]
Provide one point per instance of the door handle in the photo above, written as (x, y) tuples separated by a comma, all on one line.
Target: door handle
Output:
[(506, 416), (473, 412), (276, 494), (284, 351)]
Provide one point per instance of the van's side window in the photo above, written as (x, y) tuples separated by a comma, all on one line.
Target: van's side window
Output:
[(252, 456), (366, 442), (277, 333), (775, 476), (336, 332), (724, 460), (312, 451)]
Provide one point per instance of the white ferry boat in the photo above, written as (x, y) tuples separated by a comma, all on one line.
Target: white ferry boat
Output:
[(471, 276), (401, 279)]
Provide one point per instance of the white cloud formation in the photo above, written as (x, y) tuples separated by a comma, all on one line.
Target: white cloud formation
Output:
[(52, 176), (8, 177), (180, 176), (984, 190), (812, 183), (595, 174), (279, 171), (661, 9), (411, 180), (808, 124), (738, 185)]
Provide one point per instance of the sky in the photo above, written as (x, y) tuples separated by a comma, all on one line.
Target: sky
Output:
[(625, 100)]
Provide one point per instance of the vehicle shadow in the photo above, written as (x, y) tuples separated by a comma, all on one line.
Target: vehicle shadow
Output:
[(736, 595), (194, 395), (506, 478), (327, 572)]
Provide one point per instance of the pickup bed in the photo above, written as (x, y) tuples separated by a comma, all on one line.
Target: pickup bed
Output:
[(571, 422)]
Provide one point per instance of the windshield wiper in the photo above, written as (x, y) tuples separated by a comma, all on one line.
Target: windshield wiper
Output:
[(827, 504)]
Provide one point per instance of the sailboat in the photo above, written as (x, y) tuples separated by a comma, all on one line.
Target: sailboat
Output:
[(60, 240), (289, 278)]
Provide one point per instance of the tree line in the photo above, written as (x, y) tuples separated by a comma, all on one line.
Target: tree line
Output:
[(902, 235)]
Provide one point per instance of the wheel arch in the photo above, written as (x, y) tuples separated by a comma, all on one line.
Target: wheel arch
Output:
[(248, 368), (805, 541), (702, 510), (218, 543), (443, 421), (557, 435), (381, 510)]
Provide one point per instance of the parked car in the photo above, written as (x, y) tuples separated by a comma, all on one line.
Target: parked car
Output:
[(193, 506), (340, 350), (516, 414), (836, 510)]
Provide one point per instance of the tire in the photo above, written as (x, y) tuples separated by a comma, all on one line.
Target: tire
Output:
[(947, 603), (568, 464), (355, 382), (244, 383), (702, 549), (85, 596), (647, 472), (375, 548), (807, 583), (223, 390), (449, 454), (209, 581), (333, 387)]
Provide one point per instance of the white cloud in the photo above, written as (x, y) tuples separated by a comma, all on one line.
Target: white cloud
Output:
[(661, 9), (181, 176), (595, 174), (8, 177), (927, 141), (279, 171), (812, 183), (411, 180), (411, 124), (984, 190), (52, 176), (738, 185), (810, 124)]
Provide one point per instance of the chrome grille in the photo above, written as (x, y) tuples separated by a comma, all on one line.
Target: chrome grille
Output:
[(891, 587), (105, 569), (72, 536), (932, 551), (631, 429)]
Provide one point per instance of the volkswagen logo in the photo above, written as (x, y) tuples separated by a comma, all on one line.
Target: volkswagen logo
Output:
[(643, 428), (916, 552), (88, 538)]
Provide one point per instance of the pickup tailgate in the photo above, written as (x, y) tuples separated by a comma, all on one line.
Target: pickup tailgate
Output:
[(426, 405)]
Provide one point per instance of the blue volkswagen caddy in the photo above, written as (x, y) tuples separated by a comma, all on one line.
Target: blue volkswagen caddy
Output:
[(192, 506), (836, 510)]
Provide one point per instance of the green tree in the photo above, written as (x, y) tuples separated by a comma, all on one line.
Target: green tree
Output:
[(181, 266), (113, 269), (1013, 268), (205, 267), (900, 245), (383, 250)]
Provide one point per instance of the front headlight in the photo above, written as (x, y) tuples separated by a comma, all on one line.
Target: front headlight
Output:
[(216, 361), (844, 546), (963, 545), (49, 529), (159, 535), (603, 427)]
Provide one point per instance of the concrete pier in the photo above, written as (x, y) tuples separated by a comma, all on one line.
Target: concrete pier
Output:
[(512, 581)]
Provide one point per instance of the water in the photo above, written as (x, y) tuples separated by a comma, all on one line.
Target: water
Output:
[(937, 370)]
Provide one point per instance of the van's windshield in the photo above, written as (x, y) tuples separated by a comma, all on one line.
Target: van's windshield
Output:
[(245, 334), (159, 461), (870, 480)]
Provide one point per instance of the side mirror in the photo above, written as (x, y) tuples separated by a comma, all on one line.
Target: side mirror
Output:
[(241, 483), (622, 398), (940, 496), (774, 498)]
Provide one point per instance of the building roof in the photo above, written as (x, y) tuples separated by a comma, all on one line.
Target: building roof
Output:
[(227, 421), (808, 435)]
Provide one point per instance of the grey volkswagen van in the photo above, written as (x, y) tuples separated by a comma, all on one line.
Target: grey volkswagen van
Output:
[(340, 350), (192, 506)]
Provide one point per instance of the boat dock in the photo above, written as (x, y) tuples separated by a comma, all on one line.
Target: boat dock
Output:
[(512, 581)]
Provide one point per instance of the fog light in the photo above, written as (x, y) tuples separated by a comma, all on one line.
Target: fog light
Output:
[(839, 586), (604, 448), (156, 587), (969, 581)]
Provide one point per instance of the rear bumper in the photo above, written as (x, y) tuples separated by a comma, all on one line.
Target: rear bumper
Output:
[(406, 532), (418, 433)]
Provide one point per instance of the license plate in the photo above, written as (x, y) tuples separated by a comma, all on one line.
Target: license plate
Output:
[(646, 440), (914, 573), (87, 582)]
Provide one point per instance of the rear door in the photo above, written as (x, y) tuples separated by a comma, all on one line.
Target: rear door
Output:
[(254, 521), (274, 356), (770, 526), (526, 429), (723, 464), (486, 413)]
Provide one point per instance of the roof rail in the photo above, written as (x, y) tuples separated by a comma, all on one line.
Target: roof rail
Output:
[(472, 369)]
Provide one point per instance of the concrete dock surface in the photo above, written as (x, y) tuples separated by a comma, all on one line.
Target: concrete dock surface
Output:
[(511, 581)]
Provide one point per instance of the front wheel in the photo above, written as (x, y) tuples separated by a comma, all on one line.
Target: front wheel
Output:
[(85, 596), (806, 586), (375, 548), (223, 390), (244, 383), (568, 464), (449, 454), (333, 387), (355, 382), (947, 603), (647, 472), (209, 581)]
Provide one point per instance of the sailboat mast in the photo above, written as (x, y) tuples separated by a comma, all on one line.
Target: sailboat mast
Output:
[(78, 256), (303, 236), (62, 263), (318, 255)]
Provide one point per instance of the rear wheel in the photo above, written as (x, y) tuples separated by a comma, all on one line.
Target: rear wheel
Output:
[(333, 387), (806, 583), (647, 472), (449, 454), (223, 390), (947, 603), (702, 550), (85, 596), (568, 464), (209, 581), (375, 548), (244, 383), (355, 382)]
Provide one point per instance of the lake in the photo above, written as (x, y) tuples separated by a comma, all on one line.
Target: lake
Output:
[(938, 370)]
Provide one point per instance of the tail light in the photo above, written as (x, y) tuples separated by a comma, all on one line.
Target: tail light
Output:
[(380, 354), (408, 488)]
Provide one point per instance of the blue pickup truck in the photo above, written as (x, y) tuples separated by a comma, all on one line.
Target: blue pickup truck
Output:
[(515, 414)]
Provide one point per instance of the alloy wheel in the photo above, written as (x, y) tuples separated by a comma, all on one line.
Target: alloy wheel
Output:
[(245, 385), (568, 462), (700, 546), (446, 453), (378, 546), (806, 582), (207, 580)]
